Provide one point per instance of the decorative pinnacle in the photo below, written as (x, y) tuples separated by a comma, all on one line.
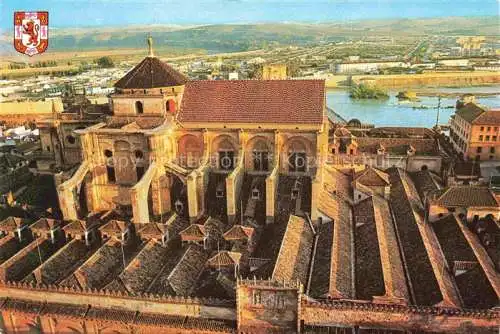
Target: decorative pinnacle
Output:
[(150, 46)]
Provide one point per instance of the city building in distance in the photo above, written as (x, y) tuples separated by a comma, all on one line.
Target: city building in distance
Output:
[(240, 206)]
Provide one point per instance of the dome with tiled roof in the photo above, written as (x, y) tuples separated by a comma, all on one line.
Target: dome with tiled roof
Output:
[(151, 72)]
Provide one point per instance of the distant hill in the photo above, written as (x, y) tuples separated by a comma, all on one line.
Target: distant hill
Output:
[(242, 37)]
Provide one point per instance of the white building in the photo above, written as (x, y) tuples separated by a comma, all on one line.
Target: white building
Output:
[(454, 62), (367, 67)]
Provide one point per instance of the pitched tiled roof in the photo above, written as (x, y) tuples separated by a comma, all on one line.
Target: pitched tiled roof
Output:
[(254, 101), (399, 146), (224, 258), (150, 73), (139, 123), (238, 232), (465, 196), (45, 224), (185, 274), (114, 227), (425, 182), (368, 264), (295, 252), (11, 224), (143, 269), (342, 132), (193, 232), (78, 226), (470, 112), (477, 293), (466, 168), (406, 209), (488, 117), (372, 177), (320, 278), (153, 230), (63, 263)]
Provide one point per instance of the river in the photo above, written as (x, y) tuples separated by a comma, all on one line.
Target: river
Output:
[(392, 113)]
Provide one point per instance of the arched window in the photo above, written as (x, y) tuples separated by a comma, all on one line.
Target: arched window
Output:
[(260, 155), (255, 193), (190, 150), (297, 158), (170, 106), (226, 155), (139, 154), (71, 139), (139, 108), (110, 171)]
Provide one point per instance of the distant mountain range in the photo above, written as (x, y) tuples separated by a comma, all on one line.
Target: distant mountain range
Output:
[(242, 37)]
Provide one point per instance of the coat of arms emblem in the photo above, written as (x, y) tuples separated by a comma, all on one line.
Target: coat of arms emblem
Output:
[(31, 32)]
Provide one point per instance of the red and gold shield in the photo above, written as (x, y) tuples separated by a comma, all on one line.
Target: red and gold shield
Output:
[(31, 32)]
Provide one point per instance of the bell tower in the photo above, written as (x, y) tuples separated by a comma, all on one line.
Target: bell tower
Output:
[(152, 88)]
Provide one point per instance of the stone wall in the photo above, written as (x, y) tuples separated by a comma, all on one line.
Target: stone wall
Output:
[(267, 305), (193, 307), (398, 317)]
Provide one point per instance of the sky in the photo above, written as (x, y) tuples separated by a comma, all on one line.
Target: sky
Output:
[(83, 13)]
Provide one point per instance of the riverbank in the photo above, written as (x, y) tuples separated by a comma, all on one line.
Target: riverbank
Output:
[(457, 94), (435, 79), (422, 113)]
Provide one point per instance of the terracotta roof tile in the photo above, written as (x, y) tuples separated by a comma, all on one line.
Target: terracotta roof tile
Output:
[(114, 227), (63, 263), (368, 276), (470, 112), (372, 177), (78, 226), (250, 101), (9, 246), (295, 253), (342, 132), (320, 278), (11, 224), (475, 289), (45, 224), (143, 269), (150, 73), (183, 277), (488, 117), (399, 146), (238, 232), (193, 232), (467, 169), (425, 182), (465, 196), (406, 208), (152, 230), (224, 258)]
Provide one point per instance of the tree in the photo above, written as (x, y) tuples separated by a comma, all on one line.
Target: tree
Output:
[(363, 91), (105, 62)]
